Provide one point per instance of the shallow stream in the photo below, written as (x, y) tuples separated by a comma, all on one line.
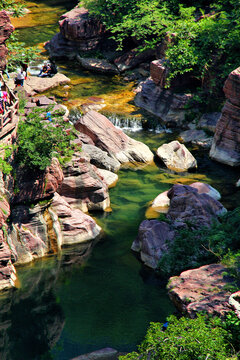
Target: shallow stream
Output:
[(81, 301)]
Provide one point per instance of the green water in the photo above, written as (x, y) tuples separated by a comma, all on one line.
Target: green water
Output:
[(86, 299)]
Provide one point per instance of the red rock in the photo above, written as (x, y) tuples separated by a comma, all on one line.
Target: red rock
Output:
[(112, 140), (76, 226), (6, 29), (226, 142), (158, 72), (187, 205), (7, 270), (170, 107), (200, 289), (83, 187), (41, 186), (152, 241)]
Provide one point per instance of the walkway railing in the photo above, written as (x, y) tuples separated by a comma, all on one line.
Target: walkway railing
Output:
[(9, 116)]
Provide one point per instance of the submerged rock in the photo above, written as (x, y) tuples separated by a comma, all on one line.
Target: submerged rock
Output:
[(226, 143), (200, 290), (103, 354), (176, 156), (107, 137), (198, 137)]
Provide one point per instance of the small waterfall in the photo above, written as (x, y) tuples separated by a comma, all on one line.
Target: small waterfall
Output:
[(123, 123)]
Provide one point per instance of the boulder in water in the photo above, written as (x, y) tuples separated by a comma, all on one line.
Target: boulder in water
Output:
[(112, 140), (176, 156)]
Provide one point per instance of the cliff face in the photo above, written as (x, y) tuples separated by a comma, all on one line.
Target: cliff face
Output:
[(6, 28), (226, 143)]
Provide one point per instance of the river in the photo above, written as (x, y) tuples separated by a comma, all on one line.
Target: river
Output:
[(80, 301)]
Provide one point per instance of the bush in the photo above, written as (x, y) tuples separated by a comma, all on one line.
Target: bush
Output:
[(208, 46), (185, 339), (193, 248), (38, 140)]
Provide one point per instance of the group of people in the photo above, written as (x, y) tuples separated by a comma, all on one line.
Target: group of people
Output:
[(49, 69), (4, 99)]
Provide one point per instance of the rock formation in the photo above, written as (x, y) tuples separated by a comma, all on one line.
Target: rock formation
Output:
[(168, 106), (83, 187), (43, 185), (176, 156), (79, 32), (188, 204), (226, 143), (113, 141), (199, 290), (152, 241), (162, 202), (6, 29)]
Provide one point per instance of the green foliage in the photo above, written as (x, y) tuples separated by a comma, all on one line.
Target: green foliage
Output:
[(193, 248), (185, 339), (203, 40), (5, 154), (16, 8), (18, 53), (39, 140)]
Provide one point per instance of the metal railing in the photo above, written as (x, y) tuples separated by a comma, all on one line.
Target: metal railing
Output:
[(9, 116)]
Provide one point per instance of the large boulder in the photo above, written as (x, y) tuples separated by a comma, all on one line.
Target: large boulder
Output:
[(112, 140), (76, 227), (100, 158), (39, 85), (187, 205), (32, 187), (97, 65), (226, 143), (176, 156), (152, 241), (168, 106), (133, 58), (201, 290), (78, 25), (83, 187), (6, 28), (79, 32), (162, 202)]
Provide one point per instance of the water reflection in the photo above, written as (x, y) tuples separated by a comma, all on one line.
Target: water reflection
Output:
[(31, 317)]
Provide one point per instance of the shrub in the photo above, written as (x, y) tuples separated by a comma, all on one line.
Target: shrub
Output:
[(38, 140), (193, 248), (185, 339)]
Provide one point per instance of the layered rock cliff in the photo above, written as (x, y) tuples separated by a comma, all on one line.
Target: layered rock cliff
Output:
[(226, 143)]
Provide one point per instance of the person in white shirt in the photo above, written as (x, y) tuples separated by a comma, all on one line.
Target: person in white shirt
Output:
[(20, 77)]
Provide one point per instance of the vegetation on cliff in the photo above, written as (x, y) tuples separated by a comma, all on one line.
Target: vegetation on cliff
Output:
[(203, 39), (193, 248), (38, 140), (16, 9), (187, 339)]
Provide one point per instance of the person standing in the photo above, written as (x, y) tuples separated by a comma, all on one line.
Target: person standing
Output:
[(21, 77)]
